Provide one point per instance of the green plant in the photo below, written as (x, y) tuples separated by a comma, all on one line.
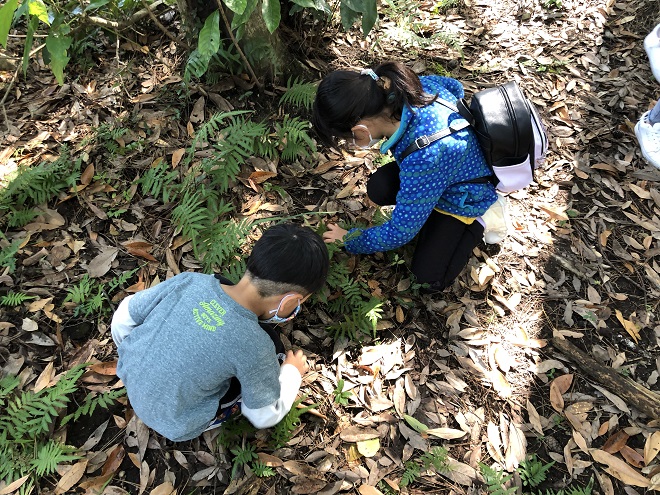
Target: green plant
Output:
[(283, 430), (242, 456), (89, 295), (552, 4), (437, 458), (532, 471), (411, 473), (340, 396), (293, 138), (31, 186), (61, 23), (27, 420), (299, 94), (12, 298), (263, 471), (8, 252), (495, 480)]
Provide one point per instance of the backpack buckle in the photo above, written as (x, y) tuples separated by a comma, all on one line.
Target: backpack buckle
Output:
[(422, 142)]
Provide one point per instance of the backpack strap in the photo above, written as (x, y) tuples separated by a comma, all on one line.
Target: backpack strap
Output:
[(424, 141)]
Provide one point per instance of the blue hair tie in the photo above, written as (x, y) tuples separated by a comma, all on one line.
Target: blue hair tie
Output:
[(370, 73)]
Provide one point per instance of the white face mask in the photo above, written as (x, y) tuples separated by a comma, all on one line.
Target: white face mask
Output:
[(372, 142)]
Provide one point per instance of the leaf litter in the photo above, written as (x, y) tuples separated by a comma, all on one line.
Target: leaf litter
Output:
[(473, 371)]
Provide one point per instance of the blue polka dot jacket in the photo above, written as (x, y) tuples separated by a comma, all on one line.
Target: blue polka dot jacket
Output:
[(429, 177)]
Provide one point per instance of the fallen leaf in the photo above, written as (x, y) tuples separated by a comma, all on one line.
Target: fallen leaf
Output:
[(14, 485), (446, 433), (369, 490), (71, 477), (102, 263), (368, 448), (619, 469), (651, 447), (354, 434), (558, 387)]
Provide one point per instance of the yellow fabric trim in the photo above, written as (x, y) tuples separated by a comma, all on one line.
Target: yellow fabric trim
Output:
[(465, 220)]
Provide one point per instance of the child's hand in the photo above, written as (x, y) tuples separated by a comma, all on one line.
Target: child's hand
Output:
[(334, 233), (297, 359)]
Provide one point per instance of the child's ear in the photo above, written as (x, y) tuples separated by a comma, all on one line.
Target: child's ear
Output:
[(361, 133)]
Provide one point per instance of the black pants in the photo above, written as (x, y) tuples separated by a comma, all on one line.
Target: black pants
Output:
[(444, 244)]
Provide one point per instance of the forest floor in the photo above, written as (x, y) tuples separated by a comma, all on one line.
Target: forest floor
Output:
[(515, 359)]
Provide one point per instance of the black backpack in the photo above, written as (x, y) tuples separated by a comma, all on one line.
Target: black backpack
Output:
[(510, 133)]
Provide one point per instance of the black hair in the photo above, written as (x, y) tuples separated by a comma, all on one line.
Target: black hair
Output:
[(288, 257), (345, 97)]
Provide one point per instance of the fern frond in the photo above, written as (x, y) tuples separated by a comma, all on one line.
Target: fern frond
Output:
[(411, 473), (221, 241), (12, 298), (160, 182), (191, 216), (495, 481), (282, 431), (50, 455), (299, 94), (20, 218)]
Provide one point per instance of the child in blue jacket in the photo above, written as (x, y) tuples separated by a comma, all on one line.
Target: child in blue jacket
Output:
[(430, 188)]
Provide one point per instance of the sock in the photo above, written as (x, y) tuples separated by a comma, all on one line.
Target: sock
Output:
[(654, 114)]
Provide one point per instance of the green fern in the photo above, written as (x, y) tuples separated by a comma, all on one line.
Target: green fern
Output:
[(299, 94), (262, 471), (410, 474), (210, 129), (14, 298), (36, 185), (221, 241), (438, 457), (8, 252), (234, 270), (20, 218), (495, 481), (293, 138), (283, 430), (191, 216), (160, 182), (242, 456), (532, 471), (27, 419), (91, 402)]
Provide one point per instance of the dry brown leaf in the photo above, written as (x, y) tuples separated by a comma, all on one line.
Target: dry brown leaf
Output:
[(558, 387), (632, 457), (71, 477), (369, 490), (114, 460), (14, 485), (45, 377), (615, 442), (628, 325), (197, 114), (177, 156), (87, 175), (500, 384), (102, 263), (354, 434), (164, 489), (651, 447), (534, 418), (269, 460), (446, 433), (619, 469)]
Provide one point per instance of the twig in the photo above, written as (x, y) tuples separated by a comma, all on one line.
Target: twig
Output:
[(235, 43), (140, 14), (163, 28), (11, 84)]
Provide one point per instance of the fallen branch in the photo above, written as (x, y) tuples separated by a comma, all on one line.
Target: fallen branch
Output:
[(630, 391), (139, 15)]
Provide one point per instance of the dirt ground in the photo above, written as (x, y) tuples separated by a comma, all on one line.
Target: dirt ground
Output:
[(482, 365)]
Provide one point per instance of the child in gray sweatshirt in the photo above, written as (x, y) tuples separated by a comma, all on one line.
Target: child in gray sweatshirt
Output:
[(193, 345)]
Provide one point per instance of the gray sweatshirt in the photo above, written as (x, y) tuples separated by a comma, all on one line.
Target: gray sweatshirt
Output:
[(179, 344)]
